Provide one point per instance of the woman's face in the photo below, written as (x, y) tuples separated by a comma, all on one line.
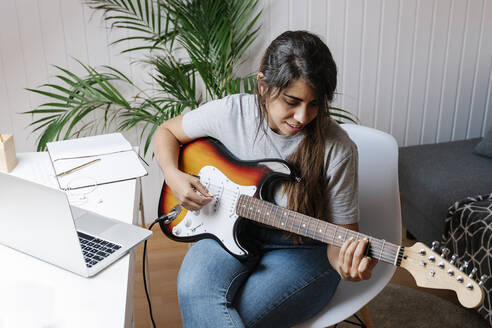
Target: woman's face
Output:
[(293, 109)]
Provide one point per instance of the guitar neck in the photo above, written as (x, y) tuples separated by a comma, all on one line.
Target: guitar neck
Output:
[(275, 216)]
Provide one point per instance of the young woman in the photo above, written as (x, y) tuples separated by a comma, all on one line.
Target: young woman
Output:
[(293, 278)]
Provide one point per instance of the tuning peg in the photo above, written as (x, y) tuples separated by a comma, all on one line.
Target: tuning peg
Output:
[(444, 252), (453, 259), (435, 244), (464, 266), (483, 279), (472, 273)]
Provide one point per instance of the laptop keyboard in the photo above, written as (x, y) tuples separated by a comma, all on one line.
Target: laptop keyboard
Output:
[(95, 249)]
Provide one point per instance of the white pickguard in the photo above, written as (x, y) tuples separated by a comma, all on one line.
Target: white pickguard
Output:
[(219, 216)]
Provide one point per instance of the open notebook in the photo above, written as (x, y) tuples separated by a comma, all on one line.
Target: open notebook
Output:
[(115, 160)]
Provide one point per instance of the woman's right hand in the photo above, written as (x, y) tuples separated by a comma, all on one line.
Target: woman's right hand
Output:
[(187, 190)]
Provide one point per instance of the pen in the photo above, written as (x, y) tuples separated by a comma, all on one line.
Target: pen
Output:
[(78, 168)]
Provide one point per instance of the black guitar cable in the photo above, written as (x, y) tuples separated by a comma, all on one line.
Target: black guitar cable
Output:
[(169, 217)]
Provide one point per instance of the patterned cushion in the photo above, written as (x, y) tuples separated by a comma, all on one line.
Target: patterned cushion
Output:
[(468, 233)]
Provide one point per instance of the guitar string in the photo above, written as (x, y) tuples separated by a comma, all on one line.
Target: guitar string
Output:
[(415, 258), (227, 193), (329, 228), (385, 256), (390, 251), (313, 232), (388, 254)]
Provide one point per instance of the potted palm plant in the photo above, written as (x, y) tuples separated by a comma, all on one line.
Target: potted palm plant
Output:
[(193, 48)]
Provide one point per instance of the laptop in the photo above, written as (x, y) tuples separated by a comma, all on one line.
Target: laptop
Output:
[(39, 221)]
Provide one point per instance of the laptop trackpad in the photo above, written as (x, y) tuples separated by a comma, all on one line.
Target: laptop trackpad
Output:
[(94, 224)]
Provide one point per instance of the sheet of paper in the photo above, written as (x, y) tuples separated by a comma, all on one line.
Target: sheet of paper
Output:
[(116, 160), (88, 146), (110, 168)]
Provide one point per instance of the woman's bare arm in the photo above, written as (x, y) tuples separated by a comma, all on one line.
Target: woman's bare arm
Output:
[(187, 189)]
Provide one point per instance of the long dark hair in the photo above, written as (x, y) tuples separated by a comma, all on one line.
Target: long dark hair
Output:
[(302, 55)]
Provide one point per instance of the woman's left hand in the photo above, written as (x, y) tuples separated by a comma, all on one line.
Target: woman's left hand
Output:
[(352, 264)]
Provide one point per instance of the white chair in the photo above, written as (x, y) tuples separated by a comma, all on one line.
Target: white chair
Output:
[(380, 217)]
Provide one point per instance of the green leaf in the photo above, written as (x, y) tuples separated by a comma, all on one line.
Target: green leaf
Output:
[(52, 95), (44, 111)]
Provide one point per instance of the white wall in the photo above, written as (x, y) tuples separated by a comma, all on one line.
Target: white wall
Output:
[(418, 69)]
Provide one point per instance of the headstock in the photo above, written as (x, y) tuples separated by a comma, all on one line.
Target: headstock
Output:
[(432, 270)]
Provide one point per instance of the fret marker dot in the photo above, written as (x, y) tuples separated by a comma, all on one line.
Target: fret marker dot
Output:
[(258, 211), (303, 225), (268, 213), (282, 223), (339, 236), (320, 230)]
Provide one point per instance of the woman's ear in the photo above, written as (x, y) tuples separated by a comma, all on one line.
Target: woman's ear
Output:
[(261, 84)]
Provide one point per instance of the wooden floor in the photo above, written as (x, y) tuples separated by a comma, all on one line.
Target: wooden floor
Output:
[(164, 258)]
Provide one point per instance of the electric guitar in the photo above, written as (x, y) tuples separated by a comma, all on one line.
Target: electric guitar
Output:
[(243, 190)]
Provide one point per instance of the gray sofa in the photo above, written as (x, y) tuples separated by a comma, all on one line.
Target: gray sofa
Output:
[(434, 177)]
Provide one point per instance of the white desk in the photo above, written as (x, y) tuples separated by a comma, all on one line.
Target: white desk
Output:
[(36, 294)]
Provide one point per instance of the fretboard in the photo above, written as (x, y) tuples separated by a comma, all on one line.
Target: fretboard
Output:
[(275, 216)]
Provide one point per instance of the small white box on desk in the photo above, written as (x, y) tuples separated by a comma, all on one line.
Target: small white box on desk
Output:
[(8, 159)]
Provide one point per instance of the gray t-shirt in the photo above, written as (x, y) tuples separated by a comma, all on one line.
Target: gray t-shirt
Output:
[(233, 120)]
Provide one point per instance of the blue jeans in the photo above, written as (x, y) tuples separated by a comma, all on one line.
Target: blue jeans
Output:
[(286, 284)]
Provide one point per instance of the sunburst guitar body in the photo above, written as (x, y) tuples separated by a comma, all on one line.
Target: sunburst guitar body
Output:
[(243, 190), (226, 178)]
